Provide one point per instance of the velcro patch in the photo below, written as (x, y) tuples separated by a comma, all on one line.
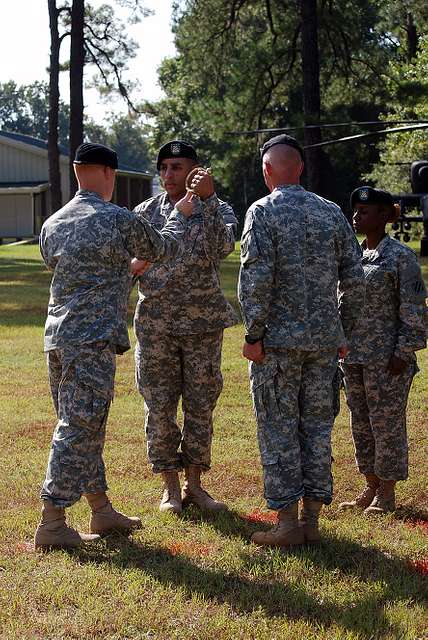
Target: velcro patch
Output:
[(249, 249)]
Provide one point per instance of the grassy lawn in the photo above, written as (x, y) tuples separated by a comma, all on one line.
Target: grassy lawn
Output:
[(193, 577)]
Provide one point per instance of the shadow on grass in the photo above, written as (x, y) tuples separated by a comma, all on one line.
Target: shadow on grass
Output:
[(19, 266), (24, 291), (410, 513), (228, 523), (288, 598)]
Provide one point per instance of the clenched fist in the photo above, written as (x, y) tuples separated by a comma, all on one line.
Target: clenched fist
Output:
[(201, 182), (138, 267)]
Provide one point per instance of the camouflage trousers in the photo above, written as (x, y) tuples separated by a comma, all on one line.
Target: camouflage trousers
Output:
[(377, 402), (168, 367), (81, 380), (294, 406)]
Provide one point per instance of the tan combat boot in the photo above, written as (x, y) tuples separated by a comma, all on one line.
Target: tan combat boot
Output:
[(309, 520), (193, 493), (286, 533), (54, 533), (104, 518), (171, 497), (384, 500), (365, 498)]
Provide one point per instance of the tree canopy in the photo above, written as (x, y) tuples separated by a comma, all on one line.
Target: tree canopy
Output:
[(24, 109), (239, 67)]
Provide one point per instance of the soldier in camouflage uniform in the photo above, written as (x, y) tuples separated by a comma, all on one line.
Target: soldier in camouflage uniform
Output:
[(179, 322), (381, 363), (300, 290), (89, 244)]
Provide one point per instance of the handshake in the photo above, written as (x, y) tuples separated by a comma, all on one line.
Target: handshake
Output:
[(199, 183)]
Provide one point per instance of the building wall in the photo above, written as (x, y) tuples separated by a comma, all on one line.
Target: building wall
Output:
[(20, 216), (17, 165), (16, 220), (130, 191), (29, 165)]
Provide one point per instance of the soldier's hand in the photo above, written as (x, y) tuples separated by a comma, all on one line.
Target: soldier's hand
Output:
[(138, 267), (254, 352), (186, 204), (396, 366), (202, 183)]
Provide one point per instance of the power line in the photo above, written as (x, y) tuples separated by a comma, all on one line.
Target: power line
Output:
[(361, 136), (367, 123)]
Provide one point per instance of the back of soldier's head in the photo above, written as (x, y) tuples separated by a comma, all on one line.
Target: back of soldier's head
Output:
[(282, 164), (283, 158), (95, 168)]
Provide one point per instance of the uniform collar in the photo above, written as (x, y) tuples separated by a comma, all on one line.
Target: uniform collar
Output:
[(373, 254), (282, 187), (165, 205), (86, 193)]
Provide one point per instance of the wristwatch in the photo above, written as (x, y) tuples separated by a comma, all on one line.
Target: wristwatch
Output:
[(251, 339)]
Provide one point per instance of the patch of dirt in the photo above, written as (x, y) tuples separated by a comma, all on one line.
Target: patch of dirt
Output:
[(257, 516), (420, 566), (233, 482), (422, 525), (190, 548), (20, 548)]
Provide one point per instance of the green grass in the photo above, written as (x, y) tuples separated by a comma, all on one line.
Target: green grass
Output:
[(192, 577)]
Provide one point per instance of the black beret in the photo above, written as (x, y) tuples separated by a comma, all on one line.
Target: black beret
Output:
[(281, 139), (176, 149), (91, 153), (369, 195)]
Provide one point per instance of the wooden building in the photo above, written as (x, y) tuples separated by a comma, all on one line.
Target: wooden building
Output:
[(24, 185)]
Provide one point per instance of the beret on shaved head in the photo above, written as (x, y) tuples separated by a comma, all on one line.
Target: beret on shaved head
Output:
[(284, 140)]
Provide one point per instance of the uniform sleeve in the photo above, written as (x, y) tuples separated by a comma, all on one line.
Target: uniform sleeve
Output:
[(256, 275), (43, 246), (144, 209), (220, 226), (143, 241), (412, 329), (351, 287)]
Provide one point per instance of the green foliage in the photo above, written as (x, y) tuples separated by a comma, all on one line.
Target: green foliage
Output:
[(107, 45), (127, 136), (408, 84), (238, 67), (24, 109)]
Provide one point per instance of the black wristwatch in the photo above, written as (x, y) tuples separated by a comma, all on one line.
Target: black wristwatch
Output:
[(251, 339)]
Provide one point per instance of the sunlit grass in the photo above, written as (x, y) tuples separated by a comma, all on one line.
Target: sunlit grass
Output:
[(192, 577)]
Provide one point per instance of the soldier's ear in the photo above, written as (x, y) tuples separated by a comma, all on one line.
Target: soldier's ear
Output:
[(385, 213), (267, 166)]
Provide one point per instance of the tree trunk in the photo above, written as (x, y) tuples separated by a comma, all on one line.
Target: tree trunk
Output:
[(53, 149), (77, 61), (412, 38), (311, 92)]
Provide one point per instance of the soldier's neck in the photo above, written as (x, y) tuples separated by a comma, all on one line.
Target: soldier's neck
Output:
[(284, 182), (174, 199), (373, 239)]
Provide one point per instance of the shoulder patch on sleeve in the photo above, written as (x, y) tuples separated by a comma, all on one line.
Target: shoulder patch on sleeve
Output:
[(412, 281), (249, 247)]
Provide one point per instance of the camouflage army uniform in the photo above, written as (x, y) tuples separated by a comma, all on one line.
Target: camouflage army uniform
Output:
[(89, 245), (296, 249), (392, 323), (179, 322)]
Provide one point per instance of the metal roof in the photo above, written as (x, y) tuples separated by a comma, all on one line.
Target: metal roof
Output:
[(42, 144), (34, 142), (28, 183)]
